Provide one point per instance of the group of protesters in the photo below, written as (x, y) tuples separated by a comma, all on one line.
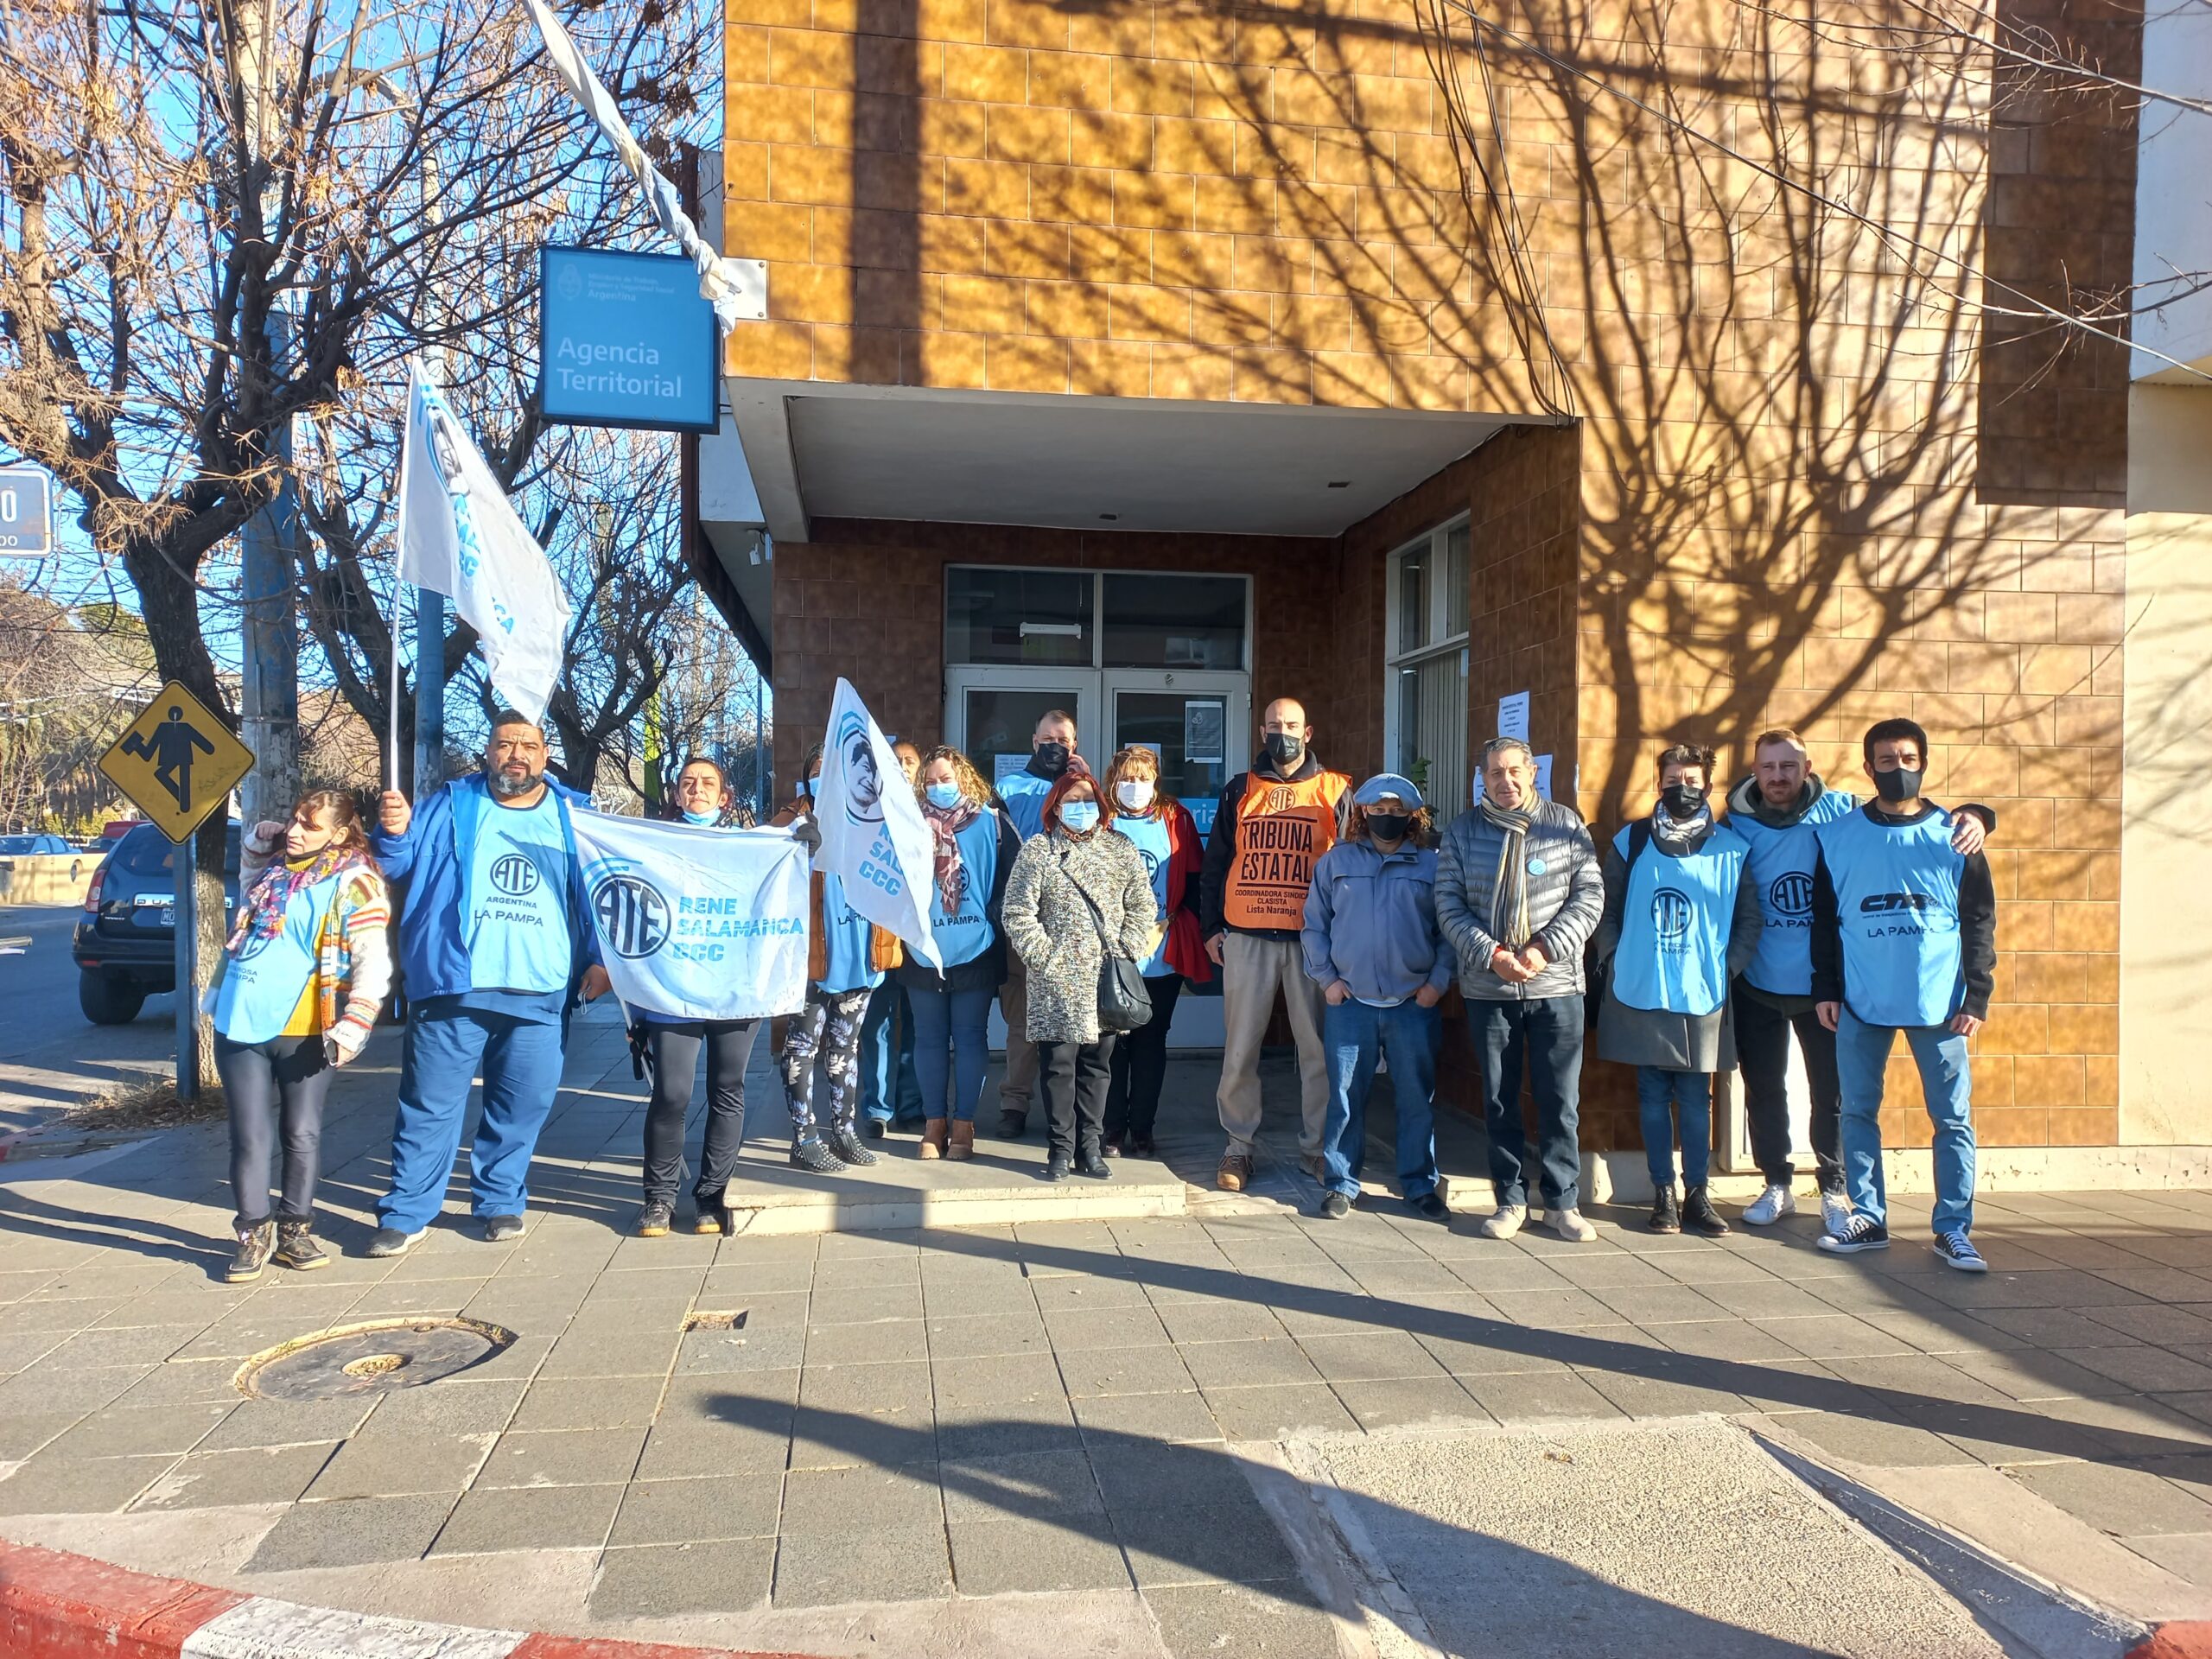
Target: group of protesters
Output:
[(1084, 904)]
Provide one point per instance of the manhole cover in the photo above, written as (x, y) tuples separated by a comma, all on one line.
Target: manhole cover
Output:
[(374, 1357)]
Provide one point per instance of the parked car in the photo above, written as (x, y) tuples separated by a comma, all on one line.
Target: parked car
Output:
[(125, 942), (31, 845)]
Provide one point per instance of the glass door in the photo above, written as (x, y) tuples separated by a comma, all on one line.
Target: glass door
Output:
[(1199, 725), (991, 714)]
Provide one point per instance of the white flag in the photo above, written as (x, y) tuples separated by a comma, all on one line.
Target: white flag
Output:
[(735, 289), (873, 839), (459, 536), (697, 923)]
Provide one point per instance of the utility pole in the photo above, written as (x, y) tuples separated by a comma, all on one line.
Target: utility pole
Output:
[(269, 699)]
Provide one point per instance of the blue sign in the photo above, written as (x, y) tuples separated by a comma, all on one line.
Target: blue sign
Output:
[(624, 339), (26, 512)]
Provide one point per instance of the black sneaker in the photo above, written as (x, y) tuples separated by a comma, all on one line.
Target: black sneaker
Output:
[(1058, 1166), (390, 1241), (1699, 1215), (1957, 1251), (1144, 1146), (1430, 1206), (875, 1129), (1335, 1206), (296, 1248), (654, 1219), (1860, 1233), (714, 1217), (254, 1244), (842, 1141), (1665, 1217), (1013, 1125), (502, 1229), (1092, 1164), (811, 1154)]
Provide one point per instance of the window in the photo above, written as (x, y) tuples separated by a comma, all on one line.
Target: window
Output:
[(1036, 618), (1156, 621), (1424, 701), (1044, 619)]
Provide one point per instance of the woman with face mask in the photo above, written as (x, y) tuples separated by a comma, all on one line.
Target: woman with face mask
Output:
[(701, 798), (1680, 922), (1166, 838), (1079, 894), (975, 847), (304, 976)]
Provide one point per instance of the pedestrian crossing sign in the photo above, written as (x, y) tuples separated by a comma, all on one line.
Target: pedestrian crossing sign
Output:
[(177, 762)]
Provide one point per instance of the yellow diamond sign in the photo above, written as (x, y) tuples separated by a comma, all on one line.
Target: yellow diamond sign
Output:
[(178, 762)]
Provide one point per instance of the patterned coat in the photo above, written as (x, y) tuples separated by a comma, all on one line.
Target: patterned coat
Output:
[(1057, 937)]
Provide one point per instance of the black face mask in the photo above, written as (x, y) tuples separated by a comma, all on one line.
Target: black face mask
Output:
[(1284, 749), (1901, 784), (1388, 826), (1050, 760), (1682, 800)]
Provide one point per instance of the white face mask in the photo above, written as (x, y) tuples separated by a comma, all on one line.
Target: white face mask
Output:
[(1133, 793)]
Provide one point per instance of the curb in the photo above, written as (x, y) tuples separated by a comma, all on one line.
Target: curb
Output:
[(57, 1606), (2184, 1639)]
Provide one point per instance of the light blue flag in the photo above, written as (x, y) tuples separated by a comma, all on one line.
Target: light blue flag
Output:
[(697, 923)]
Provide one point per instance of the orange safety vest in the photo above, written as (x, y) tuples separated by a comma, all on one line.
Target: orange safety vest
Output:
[(1282, 829)]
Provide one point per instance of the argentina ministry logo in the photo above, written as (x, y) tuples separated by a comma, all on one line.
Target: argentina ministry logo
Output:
[(1671, 914), (514, 875), (863, 783), (1792, 893), (632, 915)]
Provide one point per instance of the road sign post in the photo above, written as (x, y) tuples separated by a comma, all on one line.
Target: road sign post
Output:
[(178, 762), (26, 512)]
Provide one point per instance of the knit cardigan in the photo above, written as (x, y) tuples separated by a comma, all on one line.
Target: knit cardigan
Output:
[(1053, 931)]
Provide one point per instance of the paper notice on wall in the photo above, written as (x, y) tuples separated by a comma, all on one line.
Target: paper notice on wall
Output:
[(1206, 726), (1513, 715), (1544, 776), (1003, 766)]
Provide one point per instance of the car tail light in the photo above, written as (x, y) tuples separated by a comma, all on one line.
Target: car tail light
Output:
[(93, 891)]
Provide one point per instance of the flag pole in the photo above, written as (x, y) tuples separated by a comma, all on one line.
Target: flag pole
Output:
[(399, 582)]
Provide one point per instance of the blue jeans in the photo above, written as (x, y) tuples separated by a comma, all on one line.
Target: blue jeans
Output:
[(1546, 1031), (1946, 1082), (521, 1061), (1689, 1093), (952, 1050), (1355, 1036), (889, 1088)]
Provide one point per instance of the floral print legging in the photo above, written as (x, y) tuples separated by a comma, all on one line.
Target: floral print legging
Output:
[(829, 1027)]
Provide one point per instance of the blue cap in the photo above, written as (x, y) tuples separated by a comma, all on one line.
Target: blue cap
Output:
[(1387, 783)]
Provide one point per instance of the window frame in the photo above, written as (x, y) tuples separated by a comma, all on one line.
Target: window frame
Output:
[(1097, 573), (1399, 656)]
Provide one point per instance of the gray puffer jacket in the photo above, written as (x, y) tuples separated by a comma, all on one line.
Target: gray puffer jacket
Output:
[(1056, 936), (1567, 894)]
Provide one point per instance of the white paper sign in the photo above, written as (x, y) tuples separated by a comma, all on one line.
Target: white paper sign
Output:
[(1513, 716), (1544, 776)]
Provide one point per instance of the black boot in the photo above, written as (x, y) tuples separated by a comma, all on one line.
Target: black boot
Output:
[(811, 1154), (296, 1248), (1013, 1125), (1091, 1162), (1699, 1215), (1057, 1167), (1665, 1217), (842, 1141), (255, 1243)]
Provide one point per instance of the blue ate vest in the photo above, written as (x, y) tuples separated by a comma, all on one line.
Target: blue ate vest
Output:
[(967, 932), (1896, 895), (1672, 956), (845, 936), (265, 984), (1781, 867), (1150, 837), (517, 920), (1023, 793)]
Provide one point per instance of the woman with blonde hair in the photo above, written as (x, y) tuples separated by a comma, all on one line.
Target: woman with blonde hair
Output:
[(1166, 838), (304, 973)]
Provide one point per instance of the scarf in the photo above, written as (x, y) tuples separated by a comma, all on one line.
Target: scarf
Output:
[(1683, 838), (945, 824), (1509, 894), (262, 914)]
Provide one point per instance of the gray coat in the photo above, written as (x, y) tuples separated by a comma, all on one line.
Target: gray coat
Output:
[(1053, 931), (1676, 1042), (1566, 898)]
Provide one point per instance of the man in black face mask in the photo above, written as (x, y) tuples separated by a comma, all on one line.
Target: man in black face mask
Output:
[(1272, 826), (1050, 747)]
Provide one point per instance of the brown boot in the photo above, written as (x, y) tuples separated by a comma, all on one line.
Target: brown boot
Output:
[(933, 1136), (963, 1145)]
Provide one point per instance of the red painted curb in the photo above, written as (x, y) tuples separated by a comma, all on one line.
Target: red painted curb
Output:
[(2185, 1640), (54, 1605)]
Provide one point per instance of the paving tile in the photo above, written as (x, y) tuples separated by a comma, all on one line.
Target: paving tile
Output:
[(207, 1480), (897, 1387), (1066, 1293), (1675, 1393), (837, 1439), (530, 1517), (866, 1344), (1394, 1402), (897, 1564), (672, 1579), (1537, 1397), (453, 1407), (1219, 1321), (1280, 1412), (2152, 1371), (996, 1380), (1232, 1621), (1106, 1327), (140, 1345), (1096, 1371), (691, 1449), (989, 1334), (1109, 1419), (1232, 1542), (20, 1436), (1142, 1477), (2186, 1555), (2119, 1501), (1368, 1358), (1029, 1485), (355, 1533), (1504, 1350), (1066, 1552), (862, 1500), (401, 1466), (636, 1353), (119, 1431), (1879, 1442), (288, 1422), (710, 1352), (865, 1305), (1830, 1336), (719, 1506), (589, 1402), (51, 1485), (587, 1456), (1248, 1364), (976, 1298)]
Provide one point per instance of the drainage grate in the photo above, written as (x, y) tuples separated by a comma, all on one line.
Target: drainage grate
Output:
[(377, 1357), (703, 1320)]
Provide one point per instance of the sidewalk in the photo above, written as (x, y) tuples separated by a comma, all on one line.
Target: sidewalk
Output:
[(1231, 1430)]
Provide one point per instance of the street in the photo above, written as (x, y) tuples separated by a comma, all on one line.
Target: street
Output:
[(50, 1054)]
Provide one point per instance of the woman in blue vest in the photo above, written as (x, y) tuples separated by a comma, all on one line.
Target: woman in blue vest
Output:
[(1680, 922), (976, 848), (304, 976), (702, 799)]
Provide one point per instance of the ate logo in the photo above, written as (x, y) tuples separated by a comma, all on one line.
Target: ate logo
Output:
[(1670, 913), (1791, 894), (514, 875), (632, 915)]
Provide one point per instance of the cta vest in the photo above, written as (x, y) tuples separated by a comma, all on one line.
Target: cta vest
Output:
[(1282, 829), (966, 933), (1672, 956), (1896, 899), (1781, 868), (269, 988)]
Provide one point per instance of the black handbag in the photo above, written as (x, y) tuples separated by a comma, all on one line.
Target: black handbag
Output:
[(1124, 1005)]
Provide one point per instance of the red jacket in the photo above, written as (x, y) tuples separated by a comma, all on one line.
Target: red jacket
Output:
[(1186, 854)]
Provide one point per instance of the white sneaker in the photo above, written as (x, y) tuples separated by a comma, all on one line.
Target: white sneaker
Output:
[(1504, 1221), (1570, 1226), (1771, 1206), (1835, 1213)]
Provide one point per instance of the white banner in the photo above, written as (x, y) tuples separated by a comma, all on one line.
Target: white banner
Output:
[(698, 923), (459, 536), (872, 836)]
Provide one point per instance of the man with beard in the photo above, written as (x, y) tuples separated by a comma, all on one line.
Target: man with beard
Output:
[(1779, 809), (497, 944)]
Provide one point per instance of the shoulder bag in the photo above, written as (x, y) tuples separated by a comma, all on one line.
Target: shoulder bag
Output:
[(1124, 1005)]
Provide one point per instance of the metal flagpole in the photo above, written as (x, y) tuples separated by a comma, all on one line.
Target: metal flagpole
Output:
[(399, 583)]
